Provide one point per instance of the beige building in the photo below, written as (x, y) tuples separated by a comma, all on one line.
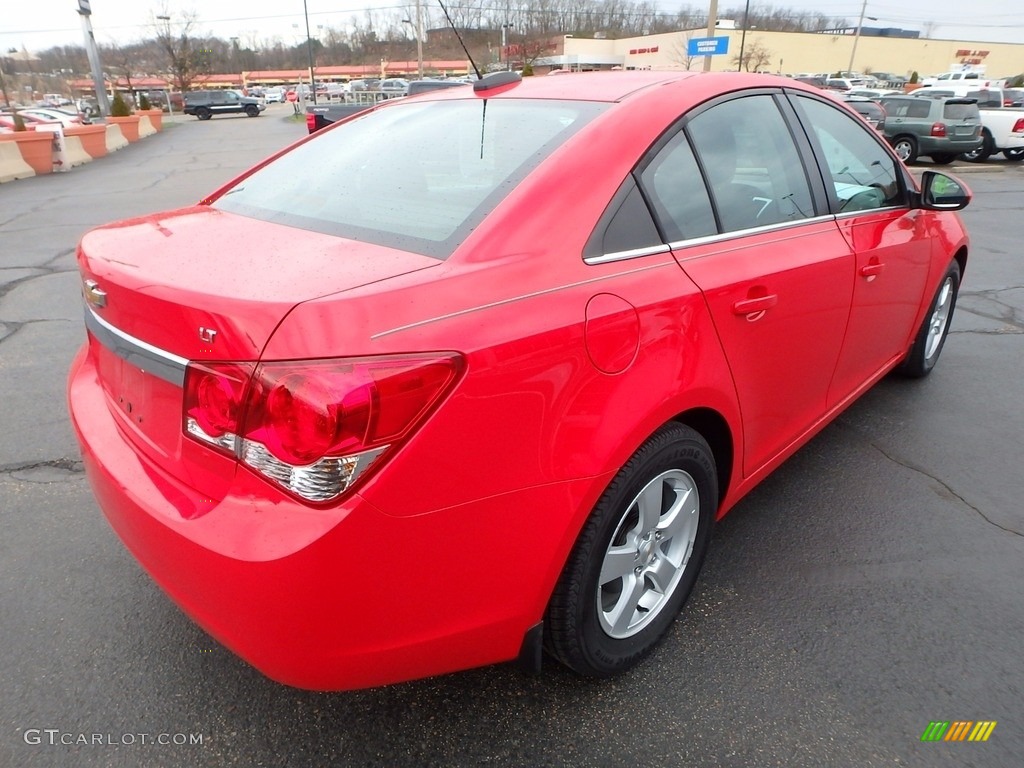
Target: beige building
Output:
[(789, 53)]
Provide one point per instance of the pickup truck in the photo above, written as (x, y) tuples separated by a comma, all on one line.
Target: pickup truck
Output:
[(1002, 128)]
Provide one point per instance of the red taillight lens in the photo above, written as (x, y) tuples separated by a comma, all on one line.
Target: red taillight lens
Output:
[(1018, 127), (310, 122), (315, 426), (214, 397), (938, 129)]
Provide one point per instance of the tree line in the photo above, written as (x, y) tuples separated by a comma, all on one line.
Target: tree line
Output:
[(181, 49)]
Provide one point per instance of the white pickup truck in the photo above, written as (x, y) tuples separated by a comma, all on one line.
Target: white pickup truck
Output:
[(1002, 128)]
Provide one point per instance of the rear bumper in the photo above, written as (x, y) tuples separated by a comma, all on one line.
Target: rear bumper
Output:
[(333, 599)]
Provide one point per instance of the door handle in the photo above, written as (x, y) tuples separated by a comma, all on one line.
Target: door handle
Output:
[(758, 304), (872, 269)]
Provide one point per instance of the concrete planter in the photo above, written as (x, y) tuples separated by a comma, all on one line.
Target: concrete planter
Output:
[(129, 126), (93, 138), (156, 117), (36, 148)]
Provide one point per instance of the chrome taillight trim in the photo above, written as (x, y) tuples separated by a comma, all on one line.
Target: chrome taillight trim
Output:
[(153, 360)]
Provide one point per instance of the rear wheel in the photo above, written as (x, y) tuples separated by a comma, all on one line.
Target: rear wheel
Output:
[(252, 110), (1014, 155), (982, 153), (637, 558), (203, 113), (906, 148), (932, 335), (943, 159)]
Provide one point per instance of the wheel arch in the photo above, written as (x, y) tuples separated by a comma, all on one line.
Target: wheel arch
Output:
[(713, 427)]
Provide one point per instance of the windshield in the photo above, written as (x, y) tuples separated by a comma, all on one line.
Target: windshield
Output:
[(416, 176)]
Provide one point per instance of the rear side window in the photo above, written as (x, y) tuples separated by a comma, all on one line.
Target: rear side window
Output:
[(416, 176), (751, 164)]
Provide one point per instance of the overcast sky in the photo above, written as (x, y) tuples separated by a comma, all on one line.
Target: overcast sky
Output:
[(38, 24)]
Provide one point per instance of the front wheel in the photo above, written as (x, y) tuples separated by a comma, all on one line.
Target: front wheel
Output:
[(252, 110), (203, 113), (1014, 155), (637, 558), (932, 335), (905, 148)]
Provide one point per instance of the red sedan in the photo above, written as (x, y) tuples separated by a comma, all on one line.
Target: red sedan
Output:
[(495, 360)]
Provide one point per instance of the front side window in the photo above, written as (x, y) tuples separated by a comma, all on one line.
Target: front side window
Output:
[(416, 176), (863, 174), (751, 163)]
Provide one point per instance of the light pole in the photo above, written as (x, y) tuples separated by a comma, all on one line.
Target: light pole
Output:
[(170, 89), (856, 37), (309, 51), (504, 44), (419, 38), (743, 35), (99, 83), (712, 18)]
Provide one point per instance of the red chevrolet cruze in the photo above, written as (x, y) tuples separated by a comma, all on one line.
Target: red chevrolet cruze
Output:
[(471, 375)]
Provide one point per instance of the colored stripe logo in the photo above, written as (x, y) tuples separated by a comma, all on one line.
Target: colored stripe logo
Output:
[(958, 730)]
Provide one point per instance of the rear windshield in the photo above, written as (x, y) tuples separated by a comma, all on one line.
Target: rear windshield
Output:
[(415, 176), (959, 111)]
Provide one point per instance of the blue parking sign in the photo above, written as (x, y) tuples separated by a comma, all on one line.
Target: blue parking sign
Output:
[(707, 46)]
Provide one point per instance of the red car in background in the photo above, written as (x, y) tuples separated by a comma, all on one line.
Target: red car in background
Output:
[(501, 357)]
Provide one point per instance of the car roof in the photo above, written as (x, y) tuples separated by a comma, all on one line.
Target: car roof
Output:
[(613, 86)]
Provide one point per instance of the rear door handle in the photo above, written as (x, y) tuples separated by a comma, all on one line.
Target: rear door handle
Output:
[(758, 304), (872, 269)]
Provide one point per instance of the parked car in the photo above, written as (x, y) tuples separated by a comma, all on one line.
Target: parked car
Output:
[(370, 412), (1002, 129), (364, 84), (872, 112), (1013, 97), (394, 86), (206, 104), (939, 128), (274, 95), (65, 117), (31, 121), (426, 85)]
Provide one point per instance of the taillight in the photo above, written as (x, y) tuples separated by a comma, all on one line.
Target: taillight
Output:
[(314, 427), (310, 122), (938, 129), (1018, 127)]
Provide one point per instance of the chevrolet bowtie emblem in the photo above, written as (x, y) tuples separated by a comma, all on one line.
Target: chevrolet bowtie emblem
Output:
[(94, 294)]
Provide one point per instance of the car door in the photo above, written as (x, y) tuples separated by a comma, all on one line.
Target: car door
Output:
[(889, 240), (732, 196)]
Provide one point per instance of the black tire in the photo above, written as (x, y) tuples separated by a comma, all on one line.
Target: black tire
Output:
[(931, 337), (1014, 155), (943, 159), (906, 148), (252, 110), (674, 472), (203, 113), (982, 153)]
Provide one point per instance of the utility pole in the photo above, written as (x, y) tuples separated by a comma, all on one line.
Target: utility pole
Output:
[(712, 19), (419, 39)]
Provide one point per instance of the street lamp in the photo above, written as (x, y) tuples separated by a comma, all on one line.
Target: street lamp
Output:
[(309, 51), (856, 37), (419, 38), (743, 36), (170, 89)]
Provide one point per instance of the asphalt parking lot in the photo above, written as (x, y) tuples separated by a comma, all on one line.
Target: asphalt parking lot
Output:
[(872, 585)]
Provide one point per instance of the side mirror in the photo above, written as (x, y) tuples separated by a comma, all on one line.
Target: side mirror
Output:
[(940, 192)]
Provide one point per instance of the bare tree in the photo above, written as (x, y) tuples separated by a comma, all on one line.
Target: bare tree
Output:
[(756, 57), (186, 54), (679, 51)]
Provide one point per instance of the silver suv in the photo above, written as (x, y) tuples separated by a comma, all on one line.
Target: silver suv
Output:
[(937, 128)]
